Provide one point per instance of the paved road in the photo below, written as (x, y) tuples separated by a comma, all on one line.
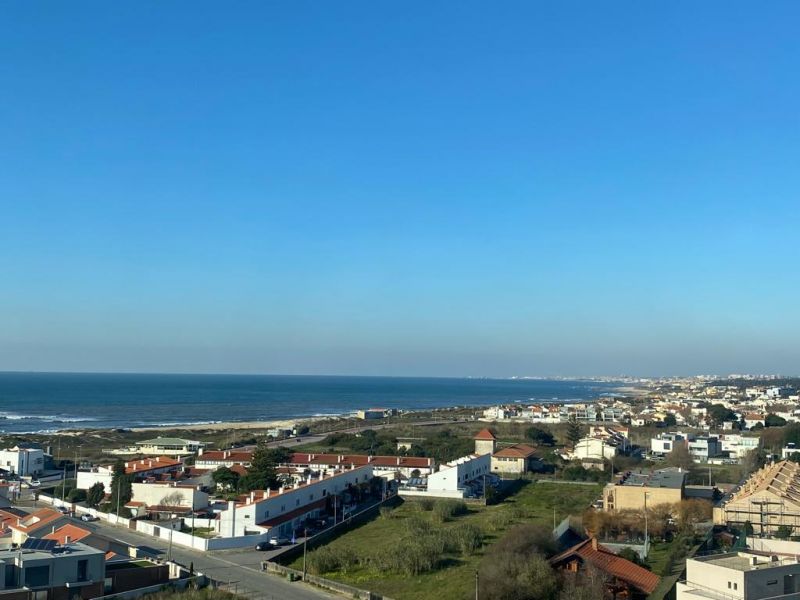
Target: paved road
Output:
[(242, 568)]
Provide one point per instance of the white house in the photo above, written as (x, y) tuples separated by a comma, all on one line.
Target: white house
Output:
[(740, 575), (166, 498), (737, 445), (138, 469), (597, 448), (451, 480), (664, 443), (24, 462), (280, 511)]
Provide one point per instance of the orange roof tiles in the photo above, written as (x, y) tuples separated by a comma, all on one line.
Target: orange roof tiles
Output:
[(589, 551), (73, 532), (516, 451), (485, 434)]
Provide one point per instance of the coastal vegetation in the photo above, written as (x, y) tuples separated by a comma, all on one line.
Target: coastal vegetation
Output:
[(443, 555)]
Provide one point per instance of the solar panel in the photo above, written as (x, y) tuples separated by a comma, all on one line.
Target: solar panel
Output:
[(37, 544)]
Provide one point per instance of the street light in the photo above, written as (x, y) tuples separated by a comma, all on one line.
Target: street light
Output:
[(646, 494)]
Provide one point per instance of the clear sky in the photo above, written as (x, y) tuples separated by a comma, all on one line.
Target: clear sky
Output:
[(402, 188)]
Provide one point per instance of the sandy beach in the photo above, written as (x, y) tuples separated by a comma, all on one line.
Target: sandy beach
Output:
[(237, 425)]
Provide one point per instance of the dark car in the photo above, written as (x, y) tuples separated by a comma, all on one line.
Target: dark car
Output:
[(261, 546)]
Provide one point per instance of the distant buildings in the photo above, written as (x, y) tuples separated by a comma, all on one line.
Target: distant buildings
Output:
[(369, 414), (139, 469), (743, 575), (161, 446), (701, 448), (516, 459)]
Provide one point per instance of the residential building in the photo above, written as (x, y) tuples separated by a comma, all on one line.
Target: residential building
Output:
[(742, 575), (165, 499), (383, 466), (753, 419), (214, 459), (280, 511), (516, 460), (624, 579), (704, 447), (140, 470), (75, 571), (452, 480), (768, 499), (36, 524), (664, 443), (485, 442), (737, 445), (636, 491), (789, 449), (406, 443), (594, 448), (24, 462)]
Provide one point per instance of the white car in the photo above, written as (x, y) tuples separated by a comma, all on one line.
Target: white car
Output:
[(87, 518)]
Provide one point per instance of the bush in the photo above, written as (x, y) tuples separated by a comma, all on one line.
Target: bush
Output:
[(417, 526), (466, 538), (76, 495), (326, 560), (444, 510), (424, 504), (416, 556)]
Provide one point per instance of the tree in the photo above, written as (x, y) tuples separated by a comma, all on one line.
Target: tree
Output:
[(95, 495), (773, 420), (574, 431), (680, 457), (783, 532), (262, 474), (226, 478), (718, 414), (121, 488), (692, 512), (540, 436), (505, 576), (670, 420)]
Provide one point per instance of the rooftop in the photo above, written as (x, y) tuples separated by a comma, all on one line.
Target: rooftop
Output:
[(745, 561), (166, 441), (663, 478)]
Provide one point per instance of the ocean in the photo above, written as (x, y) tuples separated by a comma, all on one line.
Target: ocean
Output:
[(48, 402)]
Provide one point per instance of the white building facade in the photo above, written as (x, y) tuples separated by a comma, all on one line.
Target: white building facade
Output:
[(24, 462)]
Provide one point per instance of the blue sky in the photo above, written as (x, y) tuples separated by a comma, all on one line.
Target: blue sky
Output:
[(400, 188)]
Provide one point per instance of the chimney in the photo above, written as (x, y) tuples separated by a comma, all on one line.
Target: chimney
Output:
[(398, 461), (67, 540), (226, 454), (280, 490), (594, 543), (755, 561), (252, 496)]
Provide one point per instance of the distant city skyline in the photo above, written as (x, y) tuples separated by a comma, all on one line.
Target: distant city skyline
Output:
[(361, 189)]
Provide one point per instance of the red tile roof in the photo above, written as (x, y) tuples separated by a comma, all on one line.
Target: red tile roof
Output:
[(589, 551), (37, 520), (414, 462), (516, 451), (73, 532), (235, 456), (485, 434)]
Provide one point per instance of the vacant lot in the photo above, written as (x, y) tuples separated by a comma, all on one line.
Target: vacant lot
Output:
[(534, 502)]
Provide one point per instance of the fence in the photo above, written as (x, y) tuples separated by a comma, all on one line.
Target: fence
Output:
[(197, 581)]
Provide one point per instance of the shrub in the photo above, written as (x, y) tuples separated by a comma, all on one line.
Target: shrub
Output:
[(500, 519), (76, 495), (424, 504), (326, 560), (466, 538), (444, 510), (417, 526)]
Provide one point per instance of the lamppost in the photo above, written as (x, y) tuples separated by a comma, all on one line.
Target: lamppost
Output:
[(646, 494), (305, 546)]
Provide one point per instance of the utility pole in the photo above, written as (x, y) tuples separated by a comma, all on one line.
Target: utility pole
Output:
[(305, 546), (476, 584), (64, 482), (645, 521), (119, 483)]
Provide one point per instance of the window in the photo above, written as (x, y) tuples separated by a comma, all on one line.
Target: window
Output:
[(736, 586), (37, 576), (83, 570), (773, 582)]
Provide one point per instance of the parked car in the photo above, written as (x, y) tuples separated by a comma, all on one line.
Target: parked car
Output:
[(278, 541), (261, 546), (63, 510), (88, 518)]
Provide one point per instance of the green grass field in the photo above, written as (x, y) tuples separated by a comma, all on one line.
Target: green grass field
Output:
[(533, 503)]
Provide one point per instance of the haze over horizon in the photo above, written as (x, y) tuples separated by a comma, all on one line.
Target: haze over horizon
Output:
[(400, 190)]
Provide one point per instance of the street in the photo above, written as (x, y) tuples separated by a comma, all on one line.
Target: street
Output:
[(240, 568)]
